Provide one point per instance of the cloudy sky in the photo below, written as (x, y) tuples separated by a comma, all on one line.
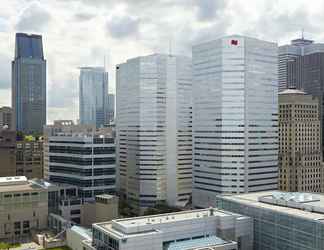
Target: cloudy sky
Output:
[(82, 32)]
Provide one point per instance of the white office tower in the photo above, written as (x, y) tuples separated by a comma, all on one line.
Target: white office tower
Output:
[(93, 91), (235, 117), (153, 125)]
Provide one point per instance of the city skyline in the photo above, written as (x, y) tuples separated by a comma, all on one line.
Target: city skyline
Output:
[(127, 32)]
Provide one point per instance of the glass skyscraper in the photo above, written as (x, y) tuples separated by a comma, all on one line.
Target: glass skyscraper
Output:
[(93, 91), (235, 116), (29, 84)]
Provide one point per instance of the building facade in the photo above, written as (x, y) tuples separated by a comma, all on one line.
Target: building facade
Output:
[(93, 91), (291, 221), (29, 158), (23, 207), (305, 70), (235, 116), (7, 153), (82, 156), (29, 84), (192, 229), (153, 126), (288, 53), (111, 108), (300, 157), (6, 118)]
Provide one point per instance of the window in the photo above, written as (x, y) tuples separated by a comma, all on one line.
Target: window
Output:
[(26, 224), (74, 212), (17, 225)]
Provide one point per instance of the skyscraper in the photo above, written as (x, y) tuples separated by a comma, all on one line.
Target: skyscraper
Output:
[(93, 91), (287, 53), (29, 84), (306, 72), (300, 157), (153, 125), (111, 108), (235, 137)]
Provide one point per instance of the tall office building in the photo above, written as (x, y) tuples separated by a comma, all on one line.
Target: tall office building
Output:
[(111, 108), (154, 131), (80, 155), (305, 70), (235, 98), (300, 158), (6, 117), (93, 91), (287, 53), (29, 84)]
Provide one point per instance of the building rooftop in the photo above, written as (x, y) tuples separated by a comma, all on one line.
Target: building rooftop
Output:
[(17, 183), (84, 232), (131, 227), (172, 217), (306, 205), (197, 243), (292, 91)]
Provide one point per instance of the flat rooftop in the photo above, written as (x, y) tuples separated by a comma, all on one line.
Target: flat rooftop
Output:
[(130, 227), (211, 241), (17, 184), (171, 217), (309, 206)]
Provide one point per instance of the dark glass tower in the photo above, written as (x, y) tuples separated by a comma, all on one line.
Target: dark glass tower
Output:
[(29, 84)]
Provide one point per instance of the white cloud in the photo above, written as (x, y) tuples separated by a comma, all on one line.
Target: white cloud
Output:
[(81, 32)]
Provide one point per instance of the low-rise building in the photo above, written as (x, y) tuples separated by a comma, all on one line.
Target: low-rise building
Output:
[(193, 229), (29, 158), (282, 220), (104, 208), (7, 153), (23, 207), (75, 235), (6, 118)]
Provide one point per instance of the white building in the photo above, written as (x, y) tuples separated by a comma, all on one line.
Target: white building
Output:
[(82, 156), (93, 91), (193, 229), (154, 136), (235, 116)]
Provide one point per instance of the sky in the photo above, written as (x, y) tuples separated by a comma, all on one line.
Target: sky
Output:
[(83, 32)]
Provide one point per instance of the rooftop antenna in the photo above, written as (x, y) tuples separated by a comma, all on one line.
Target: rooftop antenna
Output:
[(302, 33), (170, 47), (104, 62)]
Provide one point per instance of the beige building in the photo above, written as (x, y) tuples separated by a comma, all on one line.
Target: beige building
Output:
[(105, 208), (7, 153), (300, 159), (23, 207), (29, 159)]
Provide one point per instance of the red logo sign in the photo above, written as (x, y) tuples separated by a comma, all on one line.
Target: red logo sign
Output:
[(234, 42)]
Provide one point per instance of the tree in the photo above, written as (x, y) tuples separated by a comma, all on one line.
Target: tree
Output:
[(4, 245)]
